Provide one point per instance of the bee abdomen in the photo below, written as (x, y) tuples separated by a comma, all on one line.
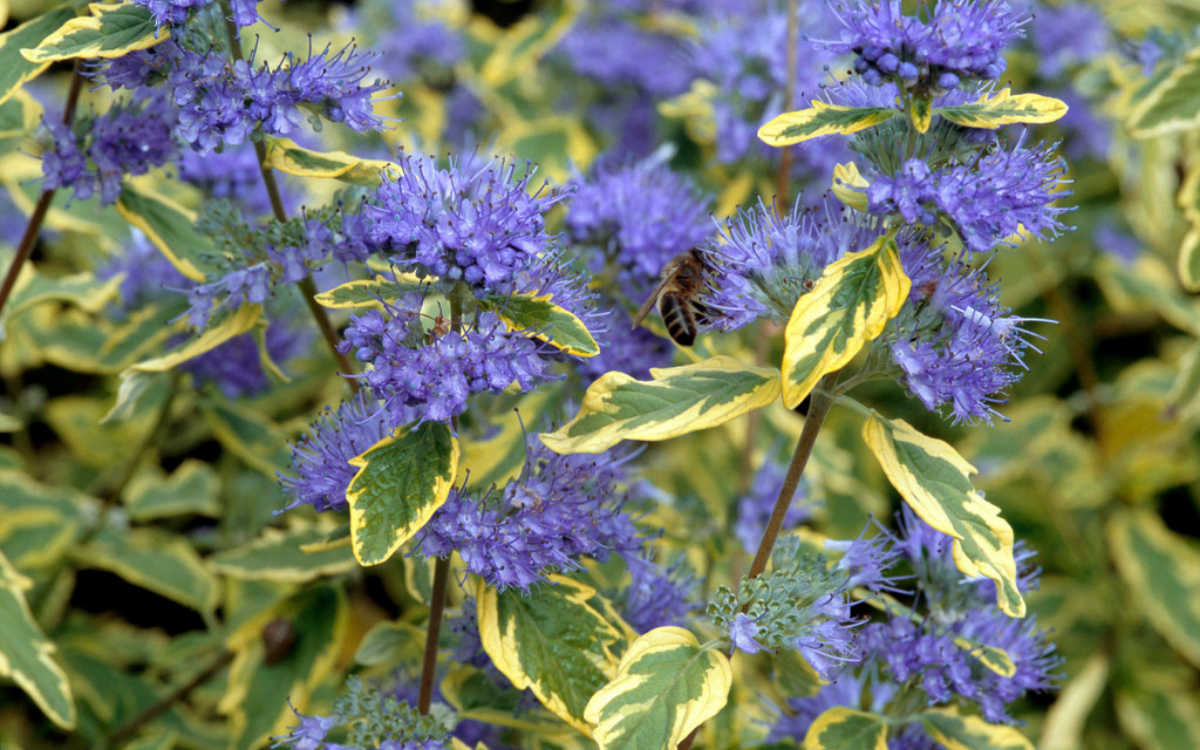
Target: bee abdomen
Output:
[(678, 318)]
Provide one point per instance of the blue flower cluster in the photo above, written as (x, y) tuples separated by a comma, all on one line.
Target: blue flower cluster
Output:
[(321, 459), (470, 221), (1000, 199), (561, 508), (956, 41), (130, 139), (176, 12), (434, 367), (905, 661), (657, 596)]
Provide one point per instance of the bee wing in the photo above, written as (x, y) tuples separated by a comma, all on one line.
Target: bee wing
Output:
[(648, 305)]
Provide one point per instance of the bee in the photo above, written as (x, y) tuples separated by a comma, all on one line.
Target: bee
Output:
[(682, 280)]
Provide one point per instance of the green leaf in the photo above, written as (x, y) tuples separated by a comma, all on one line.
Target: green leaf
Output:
[(389, 643), (544, 321), (138, 392), (19, 114), (402, 480), (26, 656), (82, 290), (241, 321), (850, 305), (821, 119), (34, 537), (1066, 719), (191, 488), (157, 561), (286, 156), (955, 731), (677, 400), (110, 31), (1189, 259), (840, 728), (1002, 108), (521, 45), (371, 293), (83, 346), (171, 228), (1163, 719), (552, 642), (281, 556), (1184, 400), (667, 684), (249, 435), (258, 695), (1163, 573), (15, 70), (1170, 106), (936, 483)]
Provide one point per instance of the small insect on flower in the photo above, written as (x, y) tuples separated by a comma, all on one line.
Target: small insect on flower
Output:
[(682, 280)]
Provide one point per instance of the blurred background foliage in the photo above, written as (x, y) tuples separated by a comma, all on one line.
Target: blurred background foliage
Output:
[(149, 542)]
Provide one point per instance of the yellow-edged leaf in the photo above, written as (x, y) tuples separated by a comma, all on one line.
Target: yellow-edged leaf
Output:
[(234, 325), (1003, 108), (921, 113), (666, 685), (1163, 573), (288, 157), (850, 186), (676, 401), (26, 656), (112, 30), (1189, 259), (170, 227), (936, 483), (1171, 105), (281, 556), (401, 482), (841, 728), (551, 641), (545, 321), (957, 731), (821, 119), (15, 70), (848, 307)]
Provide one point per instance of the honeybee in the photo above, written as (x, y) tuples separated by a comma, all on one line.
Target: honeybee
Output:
[(682, 280)]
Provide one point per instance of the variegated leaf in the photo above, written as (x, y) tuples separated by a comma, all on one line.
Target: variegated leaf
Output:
[(841, 728), (676, 401), (1003, 108), (551, 641), (15, 70), (401, 482), (109, 31), (26, 656), (936, 483), (545, 321), (288, 157), (848, 307), (821, 119), (666, 685), (957, 731), (242, 320), (171, 228), (1162, 571)]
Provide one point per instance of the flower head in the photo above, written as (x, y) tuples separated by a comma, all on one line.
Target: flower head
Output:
[(469, 221), (321, 459), (561, 508), (935, 50)]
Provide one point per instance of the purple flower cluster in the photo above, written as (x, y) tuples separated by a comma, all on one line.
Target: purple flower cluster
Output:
[(613, 51), (1004, 195), (657, 595), (1067, 36), (638, 218), (235, 367), (902, 656), (176, 12), (955, 41), (964, 348), (630, 350), (232, 174), (560, 508), (321, 459), (130, 139), (470, 221), (434, 368)]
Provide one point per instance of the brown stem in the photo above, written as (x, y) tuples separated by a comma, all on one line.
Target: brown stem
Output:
[(181, 692), (29, 239), (437, 606), (819, 406), (308, 290), (441, 570)]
